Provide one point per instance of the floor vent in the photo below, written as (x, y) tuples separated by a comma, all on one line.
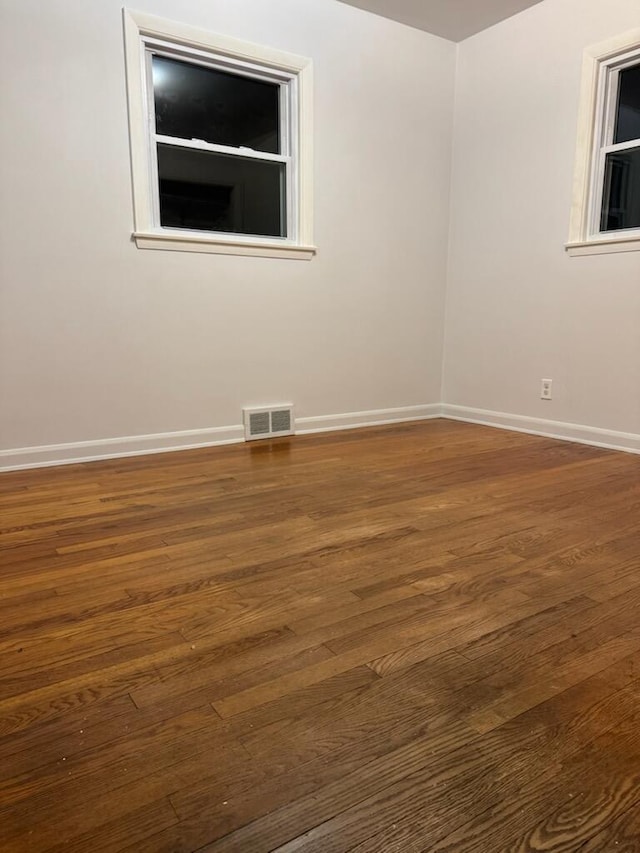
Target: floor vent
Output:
[(268, 422)]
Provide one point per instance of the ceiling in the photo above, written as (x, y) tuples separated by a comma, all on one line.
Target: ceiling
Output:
[(451, 19)]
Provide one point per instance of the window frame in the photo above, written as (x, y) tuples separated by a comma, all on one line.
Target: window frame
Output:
[(598, 100), (147, 34)]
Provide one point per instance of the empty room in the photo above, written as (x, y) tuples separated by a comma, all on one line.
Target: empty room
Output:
[(320, 426)]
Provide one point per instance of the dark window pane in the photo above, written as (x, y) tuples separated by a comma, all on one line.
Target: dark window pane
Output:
[(621, 201), (204, 191), (628, 117), (194, 102)]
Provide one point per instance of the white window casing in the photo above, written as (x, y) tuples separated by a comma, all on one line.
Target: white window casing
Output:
[(145, 34), (601, 66)]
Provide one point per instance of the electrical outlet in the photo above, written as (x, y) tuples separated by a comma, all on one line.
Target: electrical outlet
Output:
[(545, 389)]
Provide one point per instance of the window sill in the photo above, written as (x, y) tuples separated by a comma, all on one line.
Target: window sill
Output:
[(174, 242), (603, 246)]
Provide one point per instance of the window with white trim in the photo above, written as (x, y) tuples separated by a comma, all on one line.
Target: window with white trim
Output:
[(618, 162), (606, 209), (220, 142)]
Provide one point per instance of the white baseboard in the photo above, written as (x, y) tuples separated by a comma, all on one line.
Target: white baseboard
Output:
[(114, 448), (140, 445), (606, 438), (378, 417)]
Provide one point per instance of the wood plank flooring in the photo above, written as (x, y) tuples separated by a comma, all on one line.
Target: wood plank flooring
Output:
[(415, 638)]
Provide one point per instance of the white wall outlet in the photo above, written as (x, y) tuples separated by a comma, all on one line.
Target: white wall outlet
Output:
[(545, 389)]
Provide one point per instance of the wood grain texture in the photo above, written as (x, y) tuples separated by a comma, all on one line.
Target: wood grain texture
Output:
[(405, 639)]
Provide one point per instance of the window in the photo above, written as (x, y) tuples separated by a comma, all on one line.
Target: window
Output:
[(220, 142), (606, 208), (619, 166)]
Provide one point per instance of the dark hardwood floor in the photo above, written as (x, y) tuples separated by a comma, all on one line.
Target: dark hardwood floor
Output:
[(418, 638)]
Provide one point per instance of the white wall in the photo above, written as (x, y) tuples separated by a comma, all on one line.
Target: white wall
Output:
[(100, 340), (518, 308)]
